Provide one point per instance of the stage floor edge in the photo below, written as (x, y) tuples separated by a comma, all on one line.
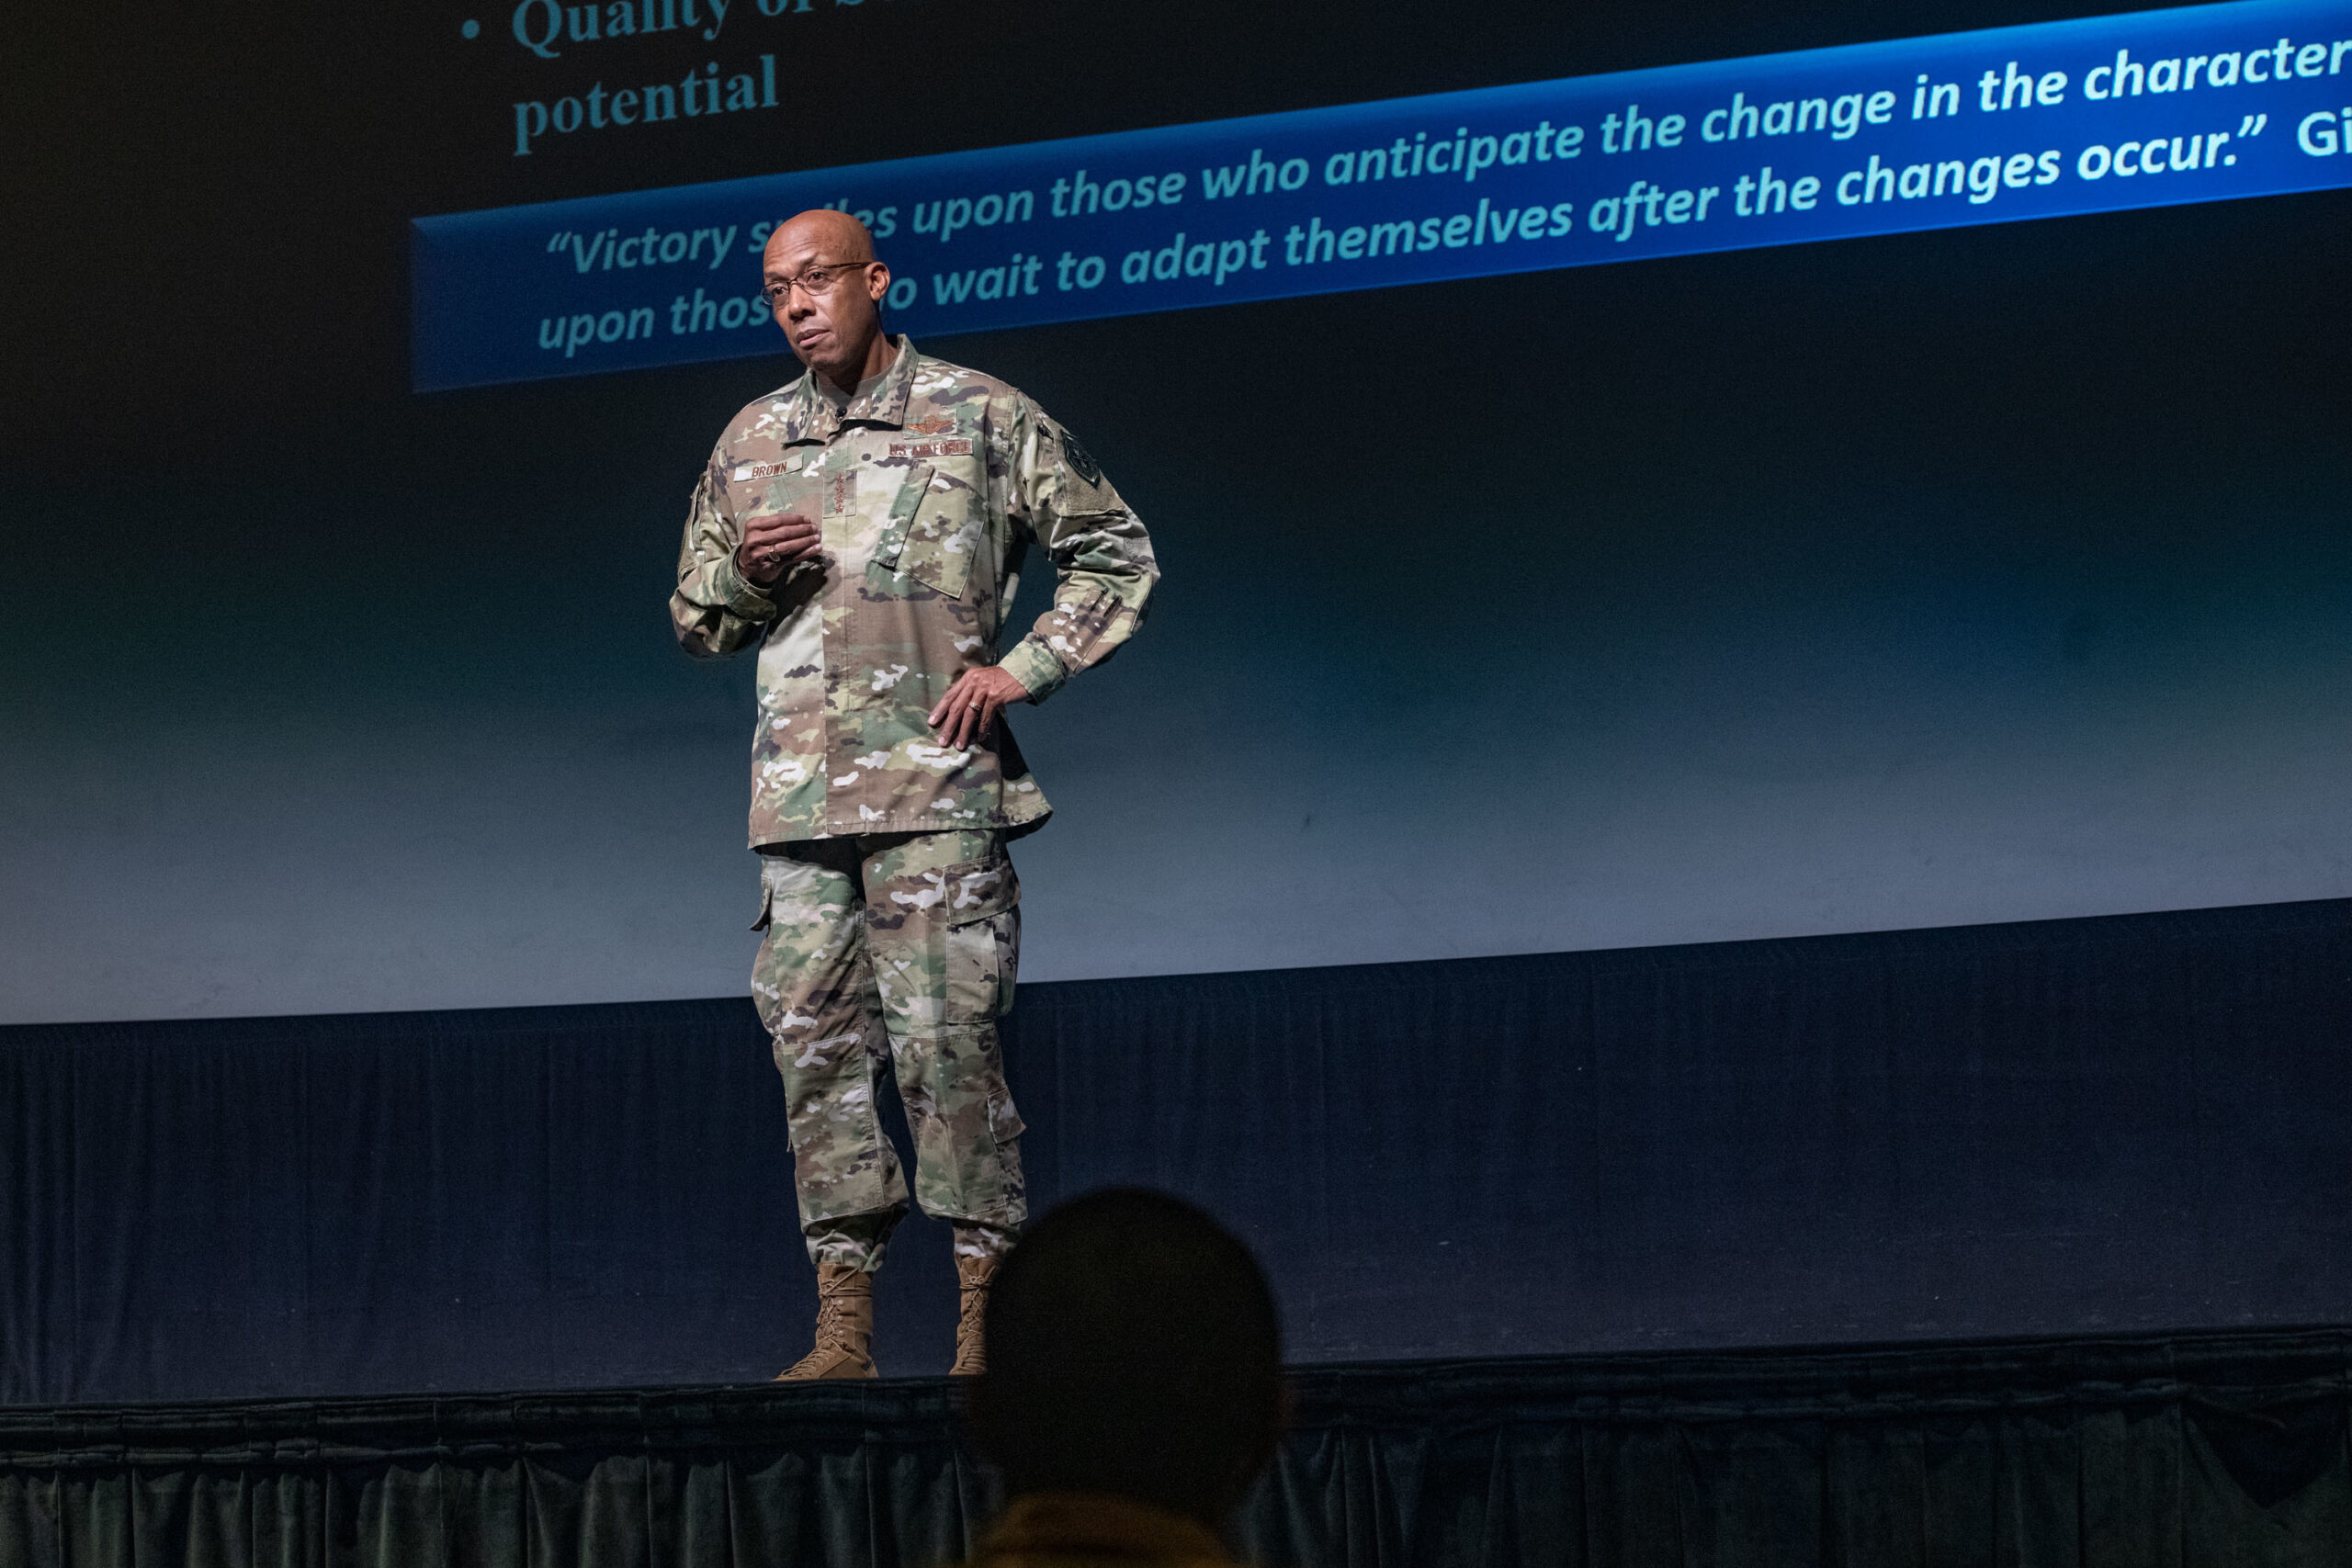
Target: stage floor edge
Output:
[(2182, 1448)]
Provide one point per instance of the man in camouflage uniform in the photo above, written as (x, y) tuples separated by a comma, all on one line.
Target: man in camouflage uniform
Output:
[(865, 527)]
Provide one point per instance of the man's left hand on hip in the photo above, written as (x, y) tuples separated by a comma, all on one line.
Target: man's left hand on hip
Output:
[(972, 704)]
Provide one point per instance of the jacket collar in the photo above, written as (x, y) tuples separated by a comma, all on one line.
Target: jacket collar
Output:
[(811, 415)]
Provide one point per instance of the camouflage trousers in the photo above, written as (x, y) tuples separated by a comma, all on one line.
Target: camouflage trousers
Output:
[(893, 952)]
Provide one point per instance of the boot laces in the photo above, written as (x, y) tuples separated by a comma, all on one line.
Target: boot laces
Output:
[(975, 1310), (832, 1317)]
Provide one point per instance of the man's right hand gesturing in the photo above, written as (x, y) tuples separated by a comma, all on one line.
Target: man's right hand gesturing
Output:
[(774, 543)]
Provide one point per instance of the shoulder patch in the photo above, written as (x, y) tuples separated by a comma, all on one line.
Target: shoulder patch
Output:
[(1081, 462)]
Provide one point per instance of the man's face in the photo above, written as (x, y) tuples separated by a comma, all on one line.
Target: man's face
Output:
[(829, 327)]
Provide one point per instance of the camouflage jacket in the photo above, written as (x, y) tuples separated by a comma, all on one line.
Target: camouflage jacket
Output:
[(930, 485)]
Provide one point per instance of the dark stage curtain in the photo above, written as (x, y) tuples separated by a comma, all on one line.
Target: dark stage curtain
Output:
[(2068, 1128), (2134, 1453)]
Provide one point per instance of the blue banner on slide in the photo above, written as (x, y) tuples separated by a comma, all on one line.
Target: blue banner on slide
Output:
[(2201, 104)]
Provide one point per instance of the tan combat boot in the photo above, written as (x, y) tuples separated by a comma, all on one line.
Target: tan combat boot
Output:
[(973, 1275), (844, 1327)]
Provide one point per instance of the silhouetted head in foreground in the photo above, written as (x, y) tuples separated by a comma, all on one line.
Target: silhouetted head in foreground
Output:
[(1134, 1351)]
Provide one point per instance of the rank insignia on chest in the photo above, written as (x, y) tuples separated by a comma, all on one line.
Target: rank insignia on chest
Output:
[(952, 448)]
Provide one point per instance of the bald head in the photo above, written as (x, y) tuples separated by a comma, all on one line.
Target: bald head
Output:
[(838, 235), (819, 269)]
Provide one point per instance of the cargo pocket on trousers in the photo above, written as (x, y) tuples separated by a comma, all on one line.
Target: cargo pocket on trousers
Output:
[(1004, 1121), (983, 942)]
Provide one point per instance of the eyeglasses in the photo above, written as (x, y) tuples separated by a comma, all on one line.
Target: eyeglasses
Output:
[(815, 281)]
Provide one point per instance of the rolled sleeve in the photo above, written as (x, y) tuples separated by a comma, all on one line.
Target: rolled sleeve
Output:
[(737, 593), (714, 610), (1032, 664)]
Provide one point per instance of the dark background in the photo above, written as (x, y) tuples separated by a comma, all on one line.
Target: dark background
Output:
[(2075, 1128), (1990, 574)]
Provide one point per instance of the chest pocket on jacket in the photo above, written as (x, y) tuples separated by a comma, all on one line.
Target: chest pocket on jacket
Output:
[(934, 528)]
